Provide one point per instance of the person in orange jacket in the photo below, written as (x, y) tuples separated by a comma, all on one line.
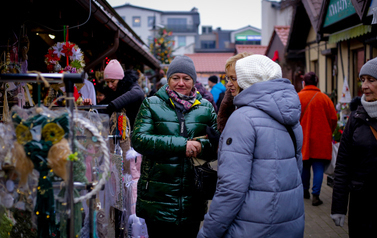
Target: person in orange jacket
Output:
[(318, 121)]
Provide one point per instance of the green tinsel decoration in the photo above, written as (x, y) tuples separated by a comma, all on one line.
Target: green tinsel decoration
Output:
[(6, 225)]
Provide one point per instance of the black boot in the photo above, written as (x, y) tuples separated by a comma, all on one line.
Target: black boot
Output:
[(306, 194), (316, 201)]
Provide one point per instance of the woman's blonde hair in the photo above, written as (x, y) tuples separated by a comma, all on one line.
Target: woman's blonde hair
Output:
[(231, 62)]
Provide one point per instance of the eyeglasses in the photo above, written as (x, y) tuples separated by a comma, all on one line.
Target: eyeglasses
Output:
[(231, 78)]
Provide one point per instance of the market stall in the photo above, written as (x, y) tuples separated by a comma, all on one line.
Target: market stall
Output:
[(59, 176)]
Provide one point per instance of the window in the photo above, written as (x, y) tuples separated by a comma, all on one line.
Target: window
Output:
[(136, 21), (151, 21), (206, 29), (177, 21), (181, 41), (177, 24), (206, 44)]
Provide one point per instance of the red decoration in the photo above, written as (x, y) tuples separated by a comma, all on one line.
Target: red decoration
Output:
[(76, 94), (67, 49), (50, 67), (276, 56), (51, 56), (120, 124)]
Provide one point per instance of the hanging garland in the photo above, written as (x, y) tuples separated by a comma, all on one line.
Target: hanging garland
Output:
[(69, 50)]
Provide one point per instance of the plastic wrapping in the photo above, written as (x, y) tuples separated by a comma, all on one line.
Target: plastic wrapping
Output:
[(7, 138), (16, 192), (88, 146), (91, 153)]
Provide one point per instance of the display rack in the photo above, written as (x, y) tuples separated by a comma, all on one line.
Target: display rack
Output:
[(69, 80), (88, 107)]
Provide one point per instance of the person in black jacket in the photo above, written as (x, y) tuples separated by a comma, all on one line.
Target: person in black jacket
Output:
[(356, 164), (124, 91)]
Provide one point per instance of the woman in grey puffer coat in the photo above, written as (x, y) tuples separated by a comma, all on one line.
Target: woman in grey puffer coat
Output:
[(259, 190)]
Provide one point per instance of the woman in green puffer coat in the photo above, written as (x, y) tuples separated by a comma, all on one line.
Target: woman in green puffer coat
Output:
[(163, 133)]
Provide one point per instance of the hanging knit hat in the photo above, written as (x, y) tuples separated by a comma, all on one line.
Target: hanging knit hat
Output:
[(182, 64), (369, 68), (113, 70), (256, 68)]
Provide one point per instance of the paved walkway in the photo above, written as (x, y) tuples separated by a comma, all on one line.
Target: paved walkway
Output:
[(318, 223)]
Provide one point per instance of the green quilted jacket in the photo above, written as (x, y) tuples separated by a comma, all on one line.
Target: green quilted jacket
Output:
[(165, 190)]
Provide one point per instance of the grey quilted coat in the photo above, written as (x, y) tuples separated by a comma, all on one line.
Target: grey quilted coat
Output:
[(259, 191)]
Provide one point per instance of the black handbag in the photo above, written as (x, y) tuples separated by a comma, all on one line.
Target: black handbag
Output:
[(205, 177), (205, 180)]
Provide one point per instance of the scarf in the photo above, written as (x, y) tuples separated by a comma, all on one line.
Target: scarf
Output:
[(370, 107), (185, 101)]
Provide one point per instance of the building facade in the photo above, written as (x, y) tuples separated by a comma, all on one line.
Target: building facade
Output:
[(145, 22), (275, 13), (333, 38)]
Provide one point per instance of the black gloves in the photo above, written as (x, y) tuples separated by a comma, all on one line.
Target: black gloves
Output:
[(213, 136), (110, 108)]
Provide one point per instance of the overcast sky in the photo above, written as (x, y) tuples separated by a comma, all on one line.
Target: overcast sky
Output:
[(229, 15)]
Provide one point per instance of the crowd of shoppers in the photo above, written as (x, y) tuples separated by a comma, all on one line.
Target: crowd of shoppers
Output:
[(266, 137)]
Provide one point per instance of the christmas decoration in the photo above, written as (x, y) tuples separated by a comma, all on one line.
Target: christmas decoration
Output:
[(162, 46), (70, 51), (48, 150), (346, 95)]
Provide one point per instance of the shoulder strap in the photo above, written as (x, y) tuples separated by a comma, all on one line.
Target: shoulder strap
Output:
[(302, 114), (293, 137), (182, 122), (374, 132)]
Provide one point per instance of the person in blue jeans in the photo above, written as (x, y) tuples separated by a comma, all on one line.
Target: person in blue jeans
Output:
[(216, 87), (318, 120), (318, 166)]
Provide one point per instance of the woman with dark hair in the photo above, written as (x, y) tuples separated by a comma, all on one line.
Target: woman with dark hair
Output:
[(318, 120), (125, 92)]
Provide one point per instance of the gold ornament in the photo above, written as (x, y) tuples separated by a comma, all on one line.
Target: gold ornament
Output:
[(52, 132), (23, 134)]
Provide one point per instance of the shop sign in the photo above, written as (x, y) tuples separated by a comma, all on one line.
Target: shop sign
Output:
[(248, 38), (338, 10)]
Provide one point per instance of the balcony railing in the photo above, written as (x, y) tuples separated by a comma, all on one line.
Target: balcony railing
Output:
[(182, 28)]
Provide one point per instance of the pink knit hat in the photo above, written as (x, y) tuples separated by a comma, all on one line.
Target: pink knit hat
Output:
[(113, 70)]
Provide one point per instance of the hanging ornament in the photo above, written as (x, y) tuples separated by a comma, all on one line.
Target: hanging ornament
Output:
[(74, 57)]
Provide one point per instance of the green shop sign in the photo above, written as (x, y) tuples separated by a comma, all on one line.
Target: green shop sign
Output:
[(338, 10), (248, 38)]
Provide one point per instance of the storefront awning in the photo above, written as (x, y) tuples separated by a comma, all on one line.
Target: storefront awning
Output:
[(349, 33)]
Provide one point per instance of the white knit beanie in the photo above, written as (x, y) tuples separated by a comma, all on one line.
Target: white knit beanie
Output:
[(256, 68)]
